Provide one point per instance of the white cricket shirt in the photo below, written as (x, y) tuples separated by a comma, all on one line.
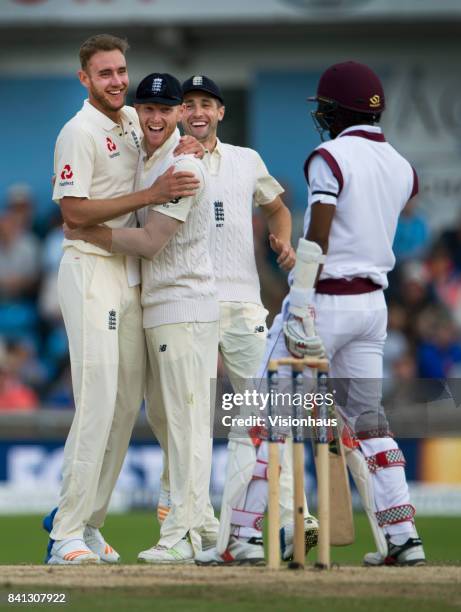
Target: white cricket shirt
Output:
[(96, 158), (238, 180), (178, 283), (370, 183)]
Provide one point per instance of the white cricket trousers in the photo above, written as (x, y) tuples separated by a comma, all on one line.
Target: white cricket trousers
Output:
[(242, 344), (103, 321), (242, 340), (353, 330), (181, 370)]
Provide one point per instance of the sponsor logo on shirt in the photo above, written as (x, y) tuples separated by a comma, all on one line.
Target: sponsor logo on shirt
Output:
[(136, 139), (162, 348), (259, 329), (66, 175), (112, 148), (219, 213)]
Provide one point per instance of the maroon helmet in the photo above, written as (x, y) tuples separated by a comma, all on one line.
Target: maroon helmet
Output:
[(353, 86)]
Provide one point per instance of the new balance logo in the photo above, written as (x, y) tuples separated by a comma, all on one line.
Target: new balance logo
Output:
[(259, 329), (162, 348), (112, 319), (219, 213)]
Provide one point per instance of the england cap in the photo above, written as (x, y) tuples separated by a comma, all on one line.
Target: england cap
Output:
[(202, 83), (158, 88)]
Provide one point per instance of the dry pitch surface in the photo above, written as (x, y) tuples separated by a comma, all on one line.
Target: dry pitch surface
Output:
[(430, 582)]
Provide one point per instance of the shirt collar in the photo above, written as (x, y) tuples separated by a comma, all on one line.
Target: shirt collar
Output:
[(217, 150), (162, 151), (370, 132), (100, 118)]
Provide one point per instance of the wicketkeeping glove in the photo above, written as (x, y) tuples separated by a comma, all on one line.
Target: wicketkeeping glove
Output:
[(301, 338)]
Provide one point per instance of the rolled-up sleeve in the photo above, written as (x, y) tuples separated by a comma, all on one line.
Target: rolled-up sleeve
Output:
[(266, 187), (179, 208)]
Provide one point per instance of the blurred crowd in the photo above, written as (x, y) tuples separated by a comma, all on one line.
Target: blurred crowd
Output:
[(424, 298), (34, 363)]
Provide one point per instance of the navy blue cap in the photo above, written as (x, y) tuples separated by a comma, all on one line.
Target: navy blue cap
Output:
[(202, 83), (158, 88)]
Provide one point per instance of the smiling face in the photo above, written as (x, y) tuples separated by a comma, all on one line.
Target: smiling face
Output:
[(158, 122), (201, 117), (106, 78)]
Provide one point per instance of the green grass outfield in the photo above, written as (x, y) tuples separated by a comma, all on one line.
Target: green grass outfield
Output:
[(205, 599), (23, 543)]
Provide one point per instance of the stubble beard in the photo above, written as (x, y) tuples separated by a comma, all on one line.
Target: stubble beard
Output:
[(104, 103)]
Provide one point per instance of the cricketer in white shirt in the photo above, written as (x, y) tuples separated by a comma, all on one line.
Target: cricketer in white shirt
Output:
[(180, 320), (368, 183)]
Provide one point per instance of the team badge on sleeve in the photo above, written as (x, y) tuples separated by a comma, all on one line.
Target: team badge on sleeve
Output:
[(66, 175)]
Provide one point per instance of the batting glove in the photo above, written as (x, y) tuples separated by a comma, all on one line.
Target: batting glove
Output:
[(301, 338)]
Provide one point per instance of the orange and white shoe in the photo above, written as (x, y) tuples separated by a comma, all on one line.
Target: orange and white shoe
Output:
[(96, 543), (71, 551), (163, 505)]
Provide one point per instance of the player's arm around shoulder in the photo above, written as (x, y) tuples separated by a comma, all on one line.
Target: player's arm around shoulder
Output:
[(74, 168), (74, 165), (163, 220), (181, 207), (190, 163), (144, 242)]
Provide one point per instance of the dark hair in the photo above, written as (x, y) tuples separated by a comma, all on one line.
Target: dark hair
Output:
[(101, 42)]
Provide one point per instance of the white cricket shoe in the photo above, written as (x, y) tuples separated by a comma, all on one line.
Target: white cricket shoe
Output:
[(238, 552), (181, 553), (311, 535), (374, 559), (95, 542), (209, 541), (71, 551), (410, 553), (163, 505)]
